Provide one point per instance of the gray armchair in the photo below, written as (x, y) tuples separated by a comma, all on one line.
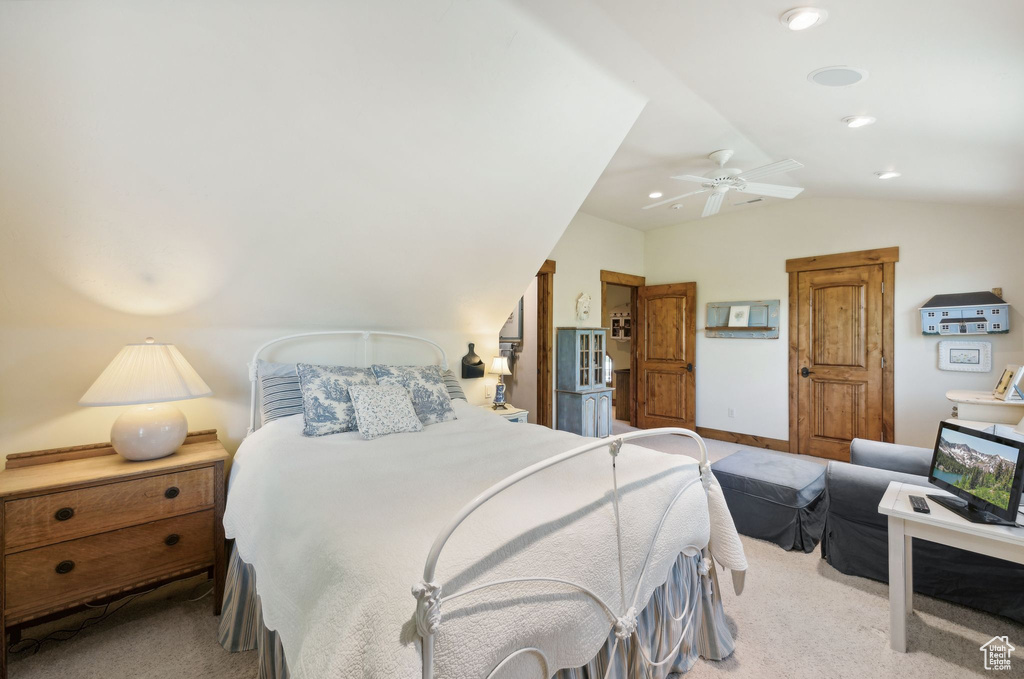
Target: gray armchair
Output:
[(855, 540)]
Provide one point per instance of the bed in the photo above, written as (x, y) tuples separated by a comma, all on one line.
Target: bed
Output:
[(474, 548)]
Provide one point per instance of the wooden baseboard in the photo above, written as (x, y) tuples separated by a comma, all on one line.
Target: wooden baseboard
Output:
[(744, 439)]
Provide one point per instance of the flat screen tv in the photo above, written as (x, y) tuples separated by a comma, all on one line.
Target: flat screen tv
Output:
[(984, 470)]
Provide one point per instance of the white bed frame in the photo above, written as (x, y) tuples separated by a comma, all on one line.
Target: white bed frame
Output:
[(622, 617), (365, 335)]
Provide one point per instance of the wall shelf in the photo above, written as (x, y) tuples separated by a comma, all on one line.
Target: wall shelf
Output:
[(726, 328), (762, 318)]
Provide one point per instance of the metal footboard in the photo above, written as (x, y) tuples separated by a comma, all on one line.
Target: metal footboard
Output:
[(622, 617)]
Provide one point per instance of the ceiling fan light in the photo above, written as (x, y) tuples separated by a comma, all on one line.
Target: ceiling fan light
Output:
[(859, 121), (888, 174), (802, 18), (655, 194)]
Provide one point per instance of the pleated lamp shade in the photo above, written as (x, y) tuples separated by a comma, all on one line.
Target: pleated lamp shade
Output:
[(146, 373), (499, 366)]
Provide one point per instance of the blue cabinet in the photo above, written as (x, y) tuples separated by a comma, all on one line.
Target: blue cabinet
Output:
[(583, 402)]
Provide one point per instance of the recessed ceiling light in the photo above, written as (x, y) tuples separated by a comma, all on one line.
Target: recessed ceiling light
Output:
[(801, 18), (887, 174), (837, 76), (859, 121), (656, 194)]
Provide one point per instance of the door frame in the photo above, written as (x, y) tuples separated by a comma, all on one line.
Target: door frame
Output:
[(545, 342), (633, 283), (887, 257)]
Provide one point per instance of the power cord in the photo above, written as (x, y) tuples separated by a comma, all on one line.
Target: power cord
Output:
[(33, 645)]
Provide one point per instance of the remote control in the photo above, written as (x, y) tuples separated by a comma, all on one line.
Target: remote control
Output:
[(919, 504)]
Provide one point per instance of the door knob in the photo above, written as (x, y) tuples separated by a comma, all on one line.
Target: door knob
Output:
[(804, 372), (689, 367)]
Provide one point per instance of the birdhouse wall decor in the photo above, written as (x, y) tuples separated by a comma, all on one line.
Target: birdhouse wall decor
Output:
[(966, 313)]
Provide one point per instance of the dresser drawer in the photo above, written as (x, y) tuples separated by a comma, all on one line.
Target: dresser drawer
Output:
[(54, 577), (46, 519)]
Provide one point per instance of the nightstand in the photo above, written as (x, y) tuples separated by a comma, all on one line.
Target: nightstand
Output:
[(83, 524), (510, 413)]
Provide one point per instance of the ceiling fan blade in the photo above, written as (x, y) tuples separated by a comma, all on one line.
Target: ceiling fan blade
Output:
[(670, 200), (693, 178), (771, 190), (713, 205), (772, 168)]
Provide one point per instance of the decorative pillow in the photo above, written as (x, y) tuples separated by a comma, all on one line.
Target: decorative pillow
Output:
[(326, 404), (383, 409), (451, 382), (426, 388), (280, 393)]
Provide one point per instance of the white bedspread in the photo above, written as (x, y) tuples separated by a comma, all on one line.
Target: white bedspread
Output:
[(338, 529)]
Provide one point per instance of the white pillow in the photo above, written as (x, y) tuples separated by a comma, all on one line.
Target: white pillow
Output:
[(383, 409)]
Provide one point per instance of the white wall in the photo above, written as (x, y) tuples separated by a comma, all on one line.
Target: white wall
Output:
[(216, 174), (587, 246), (742, 255)]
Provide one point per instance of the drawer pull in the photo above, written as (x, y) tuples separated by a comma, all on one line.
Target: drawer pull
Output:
[(171, 492), (172, 539), (64, 513), (65, 567)]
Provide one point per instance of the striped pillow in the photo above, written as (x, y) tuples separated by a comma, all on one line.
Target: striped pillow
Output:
[(280, 395), (451, 382)]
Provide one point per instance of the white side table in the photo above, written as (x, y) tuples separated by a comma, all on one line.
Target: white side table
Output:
[(510, 413), (941, 526)]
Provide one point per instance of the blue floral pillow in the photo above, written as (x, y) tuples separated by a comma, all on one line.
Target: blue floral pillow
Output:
[(326, 403), (426, 387)]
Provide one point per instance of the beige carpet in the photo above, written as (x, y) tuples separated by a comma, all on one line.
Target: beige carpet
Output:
[(797, 618)]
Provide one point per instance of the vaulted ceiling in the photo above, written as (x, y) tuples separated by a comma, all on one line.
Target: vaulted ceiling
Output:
[(354, 163), (946, 83)]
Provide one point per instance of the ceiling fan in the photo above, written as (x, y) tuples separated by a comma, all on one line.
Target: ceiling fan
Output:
[(720, 181)]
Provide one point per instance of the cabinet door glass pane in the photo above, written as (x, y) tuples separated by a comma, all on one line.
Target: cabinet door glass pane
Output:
[(598, 361), (584, 360)]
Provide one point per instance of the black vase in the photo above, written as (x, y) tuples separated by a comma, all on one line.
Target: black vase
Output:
[(472, 365)]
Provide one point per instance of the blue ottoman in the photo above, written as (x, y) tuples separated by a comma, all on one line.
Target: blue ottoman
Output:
[(774, 497)]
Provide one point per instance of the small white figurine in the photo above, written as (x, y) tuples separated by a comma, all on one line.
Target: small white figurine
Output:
[(583, 307)]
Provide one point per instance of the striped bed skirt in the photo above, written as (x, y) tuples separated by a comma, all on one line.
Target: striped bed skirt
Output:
[(688, 605)]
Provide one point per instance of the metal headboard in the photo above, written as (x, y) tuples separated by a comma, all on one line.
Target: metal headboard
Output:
[(254, 410)]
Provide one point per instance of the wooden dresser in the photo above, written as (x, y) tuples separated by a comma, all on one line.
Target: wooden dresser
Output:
[(82, 524)]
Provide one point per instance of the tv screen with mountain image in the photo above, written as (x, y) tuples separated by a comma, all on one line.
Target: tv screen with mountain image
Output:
[(983, 468)]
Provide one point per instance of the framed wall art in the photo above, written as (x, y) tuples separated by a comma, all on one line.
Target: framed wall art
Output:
[(512, 331), (964, 356), (1009, 386)]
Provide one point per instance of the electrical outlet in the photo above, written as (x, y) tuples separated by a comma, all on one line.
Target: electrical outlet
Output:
[(732, 412), (488, 391)]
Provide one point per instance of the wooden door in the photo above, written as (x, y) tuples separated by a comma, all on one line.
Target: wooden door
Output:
[(839, 359), (665, 334)]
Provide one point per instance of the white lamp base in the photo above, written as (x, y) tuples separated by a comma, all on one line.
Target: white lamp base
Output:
[(148, 431)]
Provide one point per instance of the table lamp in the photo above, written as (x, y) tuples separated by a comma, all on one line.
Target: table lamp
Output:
[(147, 376), (499, 367)]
